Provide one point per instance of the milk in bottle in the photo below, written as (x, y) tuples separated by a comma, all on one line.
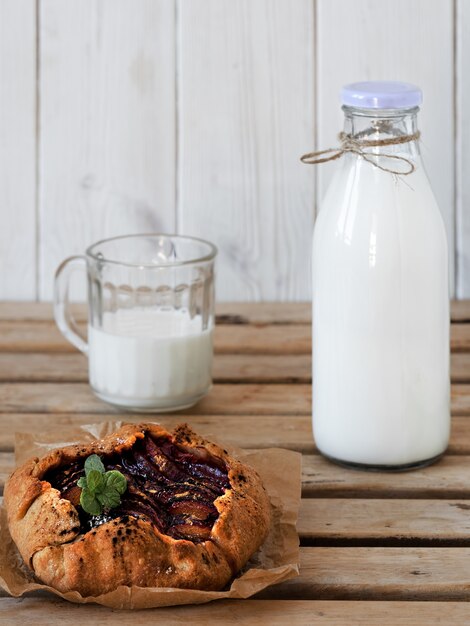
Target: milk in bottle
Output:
[(380, 293)]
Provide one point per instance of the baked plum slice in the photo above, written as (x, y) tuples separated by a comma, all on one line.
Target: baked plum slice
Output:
[(172, 486)]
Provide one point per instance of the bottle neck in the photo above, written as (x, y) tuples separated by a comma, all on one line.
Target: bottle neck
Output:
[(377, 125)]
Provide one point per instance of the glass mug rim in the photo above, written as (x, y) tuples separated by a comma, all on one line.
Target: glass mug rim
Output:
[(212, 251)]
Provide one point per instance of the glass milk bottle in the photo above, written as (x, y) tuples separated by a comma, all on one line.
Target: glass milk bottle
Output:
[(381, 392)]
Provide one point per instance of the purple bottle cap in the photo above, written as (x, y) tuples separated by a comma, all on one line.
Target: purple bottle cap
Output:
[(381, 94)]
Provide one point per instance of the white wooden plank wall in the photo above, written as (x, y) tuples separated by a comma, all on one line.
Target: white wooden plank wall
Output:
[(107, 118), (246, 87), (463, 148), (18, 149), (190, 115)]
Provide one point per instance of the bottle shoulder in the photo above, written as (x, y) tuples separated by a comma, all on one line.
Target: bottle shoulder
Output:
[(363, 191), (367, 216)]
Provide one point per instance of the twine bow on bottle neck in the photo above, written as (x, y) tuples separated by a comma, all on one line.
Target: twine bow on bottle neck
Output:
[(357, 145)]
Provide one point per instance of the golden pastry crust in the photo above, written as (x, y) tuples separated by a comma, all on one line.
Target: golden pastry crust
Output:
[(131, 550)]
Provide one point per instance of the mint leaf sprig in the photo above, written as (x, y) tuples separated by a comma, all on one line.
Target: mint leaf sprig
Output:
[(100, 489)]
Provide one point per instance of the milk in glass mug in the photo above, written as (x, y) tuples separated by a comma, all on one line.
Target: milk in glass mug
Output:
[(150, 319)]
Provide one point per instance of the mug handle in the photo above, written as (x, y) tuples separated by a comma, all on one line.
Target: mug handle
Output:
[(63, 317)]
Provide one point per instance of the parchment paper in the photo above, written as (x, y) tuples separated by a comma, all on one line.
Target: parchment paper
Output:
[(277, 560)]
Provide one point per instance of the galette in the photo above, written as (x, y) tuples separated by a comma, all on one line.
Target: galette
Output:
[(141, 507)]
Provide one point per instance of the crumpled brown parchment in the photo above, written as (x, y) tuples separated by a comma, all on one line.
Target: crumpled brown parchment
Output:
[(276, 561)]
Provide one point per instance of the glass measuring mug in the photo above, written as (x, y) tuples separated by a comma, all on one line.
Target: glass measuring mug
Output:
[(150, 319)]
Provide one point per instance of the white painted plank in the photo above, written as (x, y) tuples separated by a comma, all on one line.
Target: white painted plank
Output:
[(463, 148), (107, 123), (399, 40), (17, 149), (245, 88)]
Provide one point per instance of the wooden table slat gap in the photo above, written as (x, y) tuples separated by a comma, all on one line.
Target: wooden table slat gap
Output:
[(45, 610), (249, 431), (249, 312), (269, 339), (241, 399), (228, 368)]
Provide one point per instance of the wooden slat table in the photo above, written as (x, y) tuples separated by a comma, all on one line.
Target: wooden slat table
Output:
[(375, 547)]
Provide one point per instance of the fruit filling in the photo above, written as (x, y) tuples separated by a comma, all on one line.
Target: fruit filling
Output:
[(171, 486)]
